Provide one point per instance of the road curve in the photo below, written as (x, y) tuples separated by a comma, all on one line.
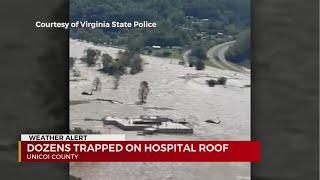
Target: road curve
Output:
[(216, 55)]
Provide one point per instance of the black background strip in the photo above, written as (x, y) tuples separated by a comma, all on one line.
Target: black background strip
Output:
[(34, 83), (285, 92)]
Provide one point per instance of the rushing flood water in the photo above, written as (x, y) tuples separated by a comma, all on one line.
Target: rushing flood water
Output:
[(177, 98)]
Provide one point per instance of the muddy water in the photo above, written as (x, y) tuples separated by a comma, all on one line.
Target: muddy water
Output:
[(171, 96)]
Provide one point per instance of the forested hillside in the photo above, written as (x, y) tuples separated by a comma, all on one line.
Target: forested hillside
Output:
[(240, 51), (179, 22)]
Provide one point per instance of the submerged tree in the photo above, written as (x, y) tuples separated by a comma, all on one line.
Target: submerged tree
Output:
[(107, 62), (116, 81), (92, 56), (113, 66), (199, 52), (136, 64), (211, 82), (97, 84), (222, 80), (199, 65), (143, 92)]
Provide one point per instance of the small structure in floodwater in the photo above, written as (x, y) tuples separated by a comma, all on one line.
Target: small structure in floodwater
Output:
[(148, 124)]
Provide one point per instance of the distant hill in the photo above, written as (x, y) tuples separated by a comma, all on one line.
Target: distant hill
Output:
[(178, 21)]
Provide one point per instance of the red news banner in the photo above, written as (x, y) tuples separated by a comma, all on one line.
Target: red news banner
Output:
[(114, 148)]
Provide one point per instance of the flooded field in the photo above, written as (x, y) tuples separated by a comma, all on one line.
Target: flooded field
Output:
[(176, 91)]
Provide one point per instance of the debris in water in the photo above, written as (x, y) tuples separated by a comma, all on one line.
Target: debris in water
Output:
[(86, 93), (213, 122)]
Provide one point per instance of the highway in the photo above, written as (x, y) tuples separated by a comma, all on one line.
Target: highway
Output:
[(216, 55)]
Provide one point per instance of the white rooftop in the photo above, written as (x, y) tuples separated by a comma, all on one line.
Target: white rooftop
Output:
[(172, 125)]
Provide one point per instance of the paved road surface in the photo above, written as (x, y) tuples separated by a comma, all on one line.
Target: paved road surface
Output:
[(216, 56)]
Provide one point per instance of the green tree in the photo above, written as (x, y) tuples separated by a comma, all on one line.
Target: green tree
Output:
[(222, 80), (199, 65), (211, 82), (112, 66), (97, 84), (124, 57), (92, 56), (107, 62), (240, 51), (136, 64), (143, 92), (118, 68), (135, 44), (226, 16), (177, 17), (199, 52)]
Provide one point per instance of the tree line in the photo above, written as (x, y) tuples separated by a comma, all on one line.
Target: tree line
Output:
[(240, 51), (178, 21), (113, 66)]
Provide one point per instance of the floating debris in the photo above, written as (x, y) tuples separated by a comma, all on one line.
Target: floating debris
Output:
[(110, 101), (86, 93), (213, 122)]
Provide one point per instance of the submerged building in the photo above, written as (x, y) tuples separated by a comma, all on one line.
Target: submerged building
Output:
[(148, 124)]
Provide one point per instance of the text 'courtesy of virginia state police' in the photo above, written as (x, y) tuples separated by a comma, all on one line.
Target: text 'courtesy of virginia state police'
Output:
[(96, 24)]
